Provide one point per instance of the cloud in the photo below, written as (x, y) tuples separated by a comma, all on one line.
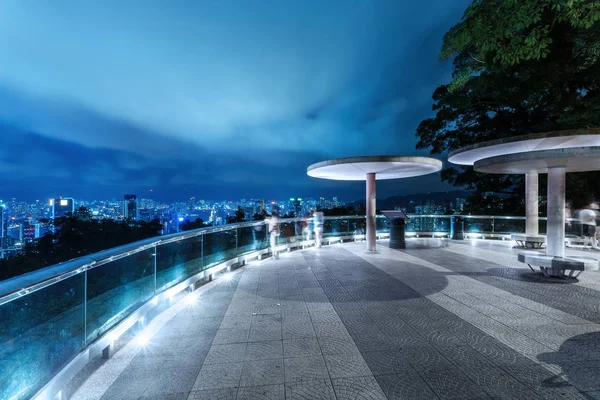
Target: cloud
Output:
[(188, 91)]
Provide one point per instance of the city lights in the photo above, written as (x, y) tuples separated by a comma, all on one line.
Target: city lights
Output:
[(25, 222)]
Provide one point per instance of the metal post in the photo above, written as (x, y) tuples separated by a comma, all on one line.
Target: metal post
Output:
[(236, 241), (371, 206), (85, 301), (155, 253)]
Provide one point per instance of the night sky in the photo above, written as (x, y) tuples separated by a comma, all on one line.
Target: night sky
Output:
[(212, 99)]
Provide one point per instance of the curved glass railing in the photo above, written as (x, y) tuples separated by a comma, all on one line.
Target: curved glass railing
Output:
[(49, 317)]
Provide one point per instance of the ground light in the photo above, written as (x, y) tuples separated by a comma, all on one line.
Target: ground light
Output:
[(142, 339), (191, 299)]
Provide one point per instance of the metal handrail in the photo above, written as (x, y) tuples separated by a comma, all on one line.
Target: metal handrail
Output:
[(35, 280)]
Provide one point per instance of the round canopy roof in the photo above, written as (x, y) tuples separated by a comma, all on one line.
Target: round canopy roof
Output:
[(385, 167), (469, 155), (576, 159)]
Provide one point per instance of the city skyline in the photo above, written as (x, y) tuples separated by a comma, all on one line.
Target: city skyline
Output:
[(213, 99)]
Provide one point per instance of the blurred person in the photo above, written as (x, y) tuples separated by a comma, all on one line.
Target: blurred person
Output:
[(274, 233), (587, 216), (310, 226), (318, 221), (568, 214)]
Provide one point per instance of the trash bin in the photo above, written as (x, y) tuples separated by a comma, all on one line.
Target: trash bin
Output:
[(397, 224), (397, 233)]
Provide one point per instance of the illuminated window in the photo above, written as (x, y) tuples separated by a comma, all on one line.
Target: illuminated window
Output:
[(64, 202)]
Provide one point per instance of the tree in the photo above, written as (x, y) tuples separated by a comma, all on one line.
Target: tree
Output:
[(259, 216), (339, 211), (72, 238), (519, 67), (240, 216)]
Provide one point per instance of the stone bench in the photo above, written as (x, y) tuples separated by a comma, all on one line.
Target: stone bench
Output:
[(528, 241), (558, 266)]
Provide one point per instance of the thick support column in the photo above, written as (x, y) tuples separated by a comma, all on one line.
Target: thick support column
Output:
[(371, 199), (531, 204), (555, 235)]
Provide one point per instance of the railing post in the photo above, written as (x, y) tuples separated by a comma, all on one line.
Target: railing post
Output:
[(202, 251), (155, 266), (237, 252), (85, 304)]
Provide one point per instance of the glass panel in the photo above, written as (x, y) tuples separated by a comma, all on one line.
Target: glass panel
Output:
[(219, 247), (542, 226), (573, 228), (509, 225), (417, 223), (177, 261), (252, 238), (358, 225), (291, 231), (335, 227), (382, 224), (39, 334), (478, 225), (116, 289), (441, 224)]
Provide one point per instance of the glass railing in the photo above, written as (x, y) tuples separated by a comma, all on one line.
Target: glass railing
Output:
[(50, 316)]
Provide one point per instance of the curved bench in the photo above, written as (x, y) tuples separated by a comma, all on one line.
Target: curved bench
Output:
[(558, 266), (528, 241)]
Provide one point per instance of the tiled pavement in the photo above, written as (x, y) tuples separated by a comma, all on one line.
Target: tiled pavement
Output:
[(465, 321)]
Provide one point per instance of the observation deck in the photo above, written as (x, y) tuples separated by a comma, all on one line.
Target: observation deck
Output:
[(177, 319)]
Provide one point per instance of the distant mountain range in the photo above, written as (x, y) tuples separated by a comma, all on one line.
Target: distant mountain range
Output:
[(439, 198)]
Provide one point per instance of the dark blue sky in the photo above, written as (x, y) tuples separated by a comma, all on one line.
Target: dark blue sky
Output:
[(213, 99)]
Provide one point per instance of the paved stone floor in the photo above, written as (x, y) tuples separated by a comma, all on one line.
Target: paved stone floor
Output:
[(466, 321)]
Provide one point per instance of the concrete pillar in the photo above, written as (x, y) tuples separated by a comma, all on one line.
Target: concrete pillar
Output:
[(555, 235), (531, 204), (371, 200)]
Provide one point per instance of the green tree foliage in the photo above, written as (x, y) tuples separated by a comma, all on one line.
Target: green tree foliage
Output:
[(74, 238), (519, 67), (260, 216), (339, 211), (240, 216)]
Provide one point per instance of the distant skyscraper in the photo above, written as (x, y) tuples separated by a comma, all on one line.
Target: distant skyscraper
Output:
[(30, 231), (3, 224), (296, 206), (130, 207), (15, 231), (83, 213), (62, 207)]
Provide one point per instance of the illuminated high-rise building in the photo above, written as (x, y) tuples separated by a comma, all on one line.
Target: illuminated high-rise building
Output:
[(62, 207), (130, 209), (30, 231), (3, 223), (296, 206)]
